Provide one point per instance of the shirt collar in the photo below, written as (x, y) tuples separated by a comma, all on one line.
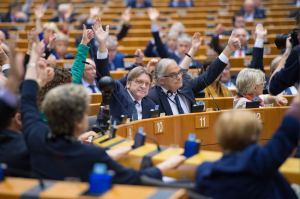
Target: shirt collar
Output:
[(134, 100), (86, 84)]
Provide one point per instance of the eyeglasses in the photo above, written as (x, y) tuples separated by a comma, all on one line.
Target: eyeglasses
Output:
[(174, 75), (141, 83)]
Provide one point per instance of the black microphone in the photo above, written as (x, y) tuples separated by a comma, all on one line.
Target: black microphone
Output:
[(213, 98)]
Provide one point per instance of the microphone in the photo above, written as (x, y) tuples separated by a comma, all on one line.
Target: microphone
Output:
[(213, 98)]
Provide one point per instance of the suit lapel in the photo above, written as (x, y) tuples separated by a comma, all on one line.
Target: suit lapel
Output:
[(164, 102)]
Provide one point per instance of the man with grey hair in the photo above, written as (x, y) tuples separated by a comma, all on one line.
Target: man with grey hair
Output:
[(184, 42), (174, 90)]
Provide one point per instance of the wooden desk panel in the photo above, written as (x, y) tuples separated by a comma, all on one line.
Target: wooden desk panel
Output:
[(13, 188)]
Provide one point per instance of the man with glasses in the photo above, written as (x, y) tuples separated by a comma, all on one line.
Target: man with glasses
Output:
[(174, 89), (89, 74), (132, 99)]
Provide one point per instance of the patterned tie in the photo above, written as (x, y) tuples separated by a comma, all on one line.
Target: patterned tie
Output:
[(92, 87), (180, 110)]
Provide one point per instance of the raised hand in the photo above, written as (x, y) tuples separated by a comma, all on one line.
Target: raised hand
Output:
[(197, 40), (32, 36), (94, 12), (151, 65), (233, 42), (126, 16), (100, 34), (153, 14), (139, 56), (44, 74), (39, 12), (87, 35), (260, 31), (52, 38), (3, 57)]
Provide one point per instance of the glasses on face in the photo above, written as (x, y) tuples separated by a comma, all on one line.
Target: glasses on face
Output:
[(141, 82), (174, 75)]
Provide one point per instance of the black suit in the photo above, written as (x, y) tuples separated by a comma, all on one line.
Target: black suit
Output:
[(189, 88), (287, 76)]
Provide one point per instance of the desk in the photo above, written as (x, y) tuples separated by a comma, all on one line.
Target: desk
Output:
[(13, 188), (170, 130)]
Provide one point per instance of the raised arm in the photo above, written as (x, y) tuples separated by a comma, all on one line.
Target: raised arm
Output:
[(197, 40), (258, 49), (160, 47), (126, 16), (82, 52), (287, 71), (101, 58), (216, 68)]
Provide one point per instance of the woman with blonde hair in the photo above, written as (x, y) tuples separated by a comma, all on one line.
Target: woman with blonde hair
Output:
[(250, 84)]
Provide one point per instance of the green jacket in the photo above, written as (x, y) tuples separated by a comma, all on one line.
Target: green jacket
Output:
[(78, 66)]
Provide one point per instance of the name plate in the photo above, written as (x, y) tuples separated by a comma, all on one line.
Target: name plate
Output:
[(201, 121), (159, 127)]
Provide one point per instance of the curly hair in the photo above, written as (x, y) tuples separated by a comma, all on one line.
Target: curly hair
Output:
[(64, 106), (61, 76)]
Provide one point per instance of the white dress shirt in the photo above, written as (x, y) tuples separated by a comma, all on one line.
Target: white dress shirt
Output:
[(138, 106), (183, 102)]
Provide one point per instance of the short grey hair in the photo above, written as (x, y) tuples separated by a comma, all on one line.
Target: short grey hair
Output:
[(247, 79), (185, 38), (63, 106), (161, 68)]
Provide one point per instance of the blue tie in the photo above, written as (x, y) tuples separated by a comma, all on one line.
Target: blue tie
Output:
[(92, 87), (180, 110), (134, 115)]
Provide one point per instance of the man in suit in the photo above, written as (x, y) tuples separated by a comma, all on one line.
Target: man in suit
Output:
[(175, 90), (54, 150), (89, 75), (247, 169), (131, 100), (184, 42), (139, 4), (251, 12)]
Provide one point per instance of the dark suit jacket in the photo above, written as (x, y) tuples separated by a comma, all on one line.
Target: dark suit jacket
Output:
[(287, 76), (259, 13), (14, 153), (61, 157), (253, 172), (189, 88), (163, 51), (146, 4), (121, 102)]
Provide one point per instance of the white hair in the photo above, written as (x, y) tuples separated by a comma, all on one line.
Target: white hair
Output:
[(247, 79)]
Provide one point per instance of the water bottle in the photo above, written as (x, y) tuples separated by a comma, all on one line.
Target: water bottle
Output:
[(100, 180), (191, 146)]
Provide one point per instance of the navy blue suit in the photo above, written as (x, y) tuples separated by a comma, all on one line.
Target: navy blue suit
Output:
[(146, 4), (259, 13), (253, 172), (189, 88), (121, 102), (287, 76), (61, 157), (13, 152), (163, 52)]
